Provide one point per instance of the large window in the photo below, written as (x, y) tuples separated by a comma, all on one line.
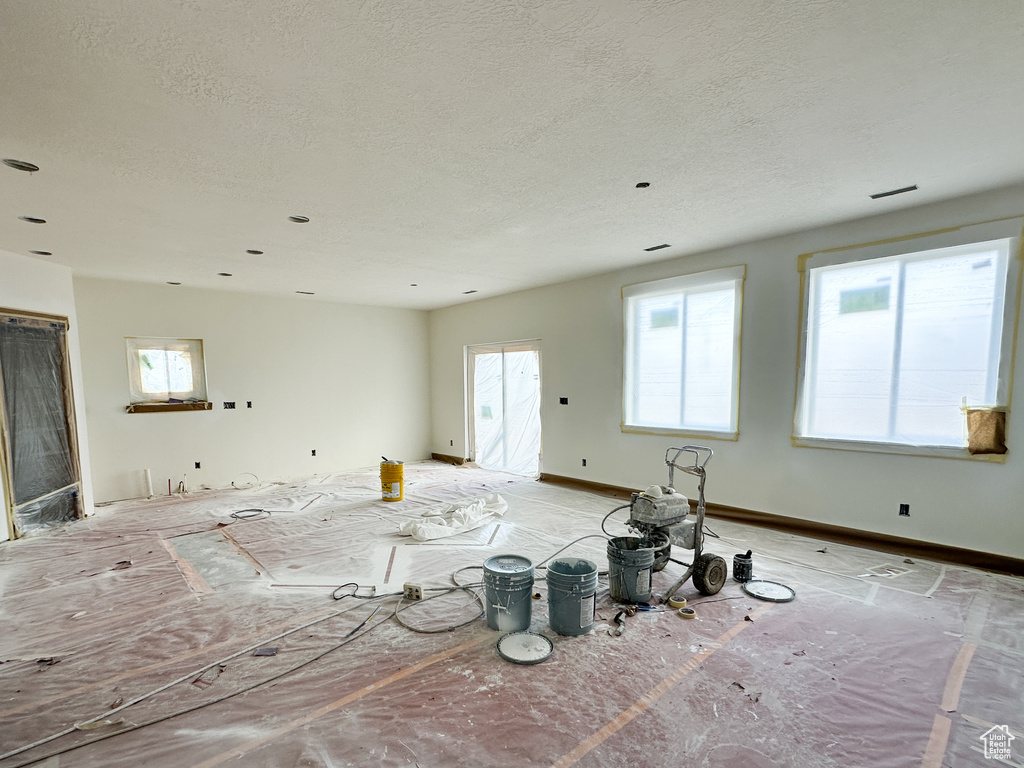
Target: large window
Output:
[(681, 367), (896, 345), (166, 374)]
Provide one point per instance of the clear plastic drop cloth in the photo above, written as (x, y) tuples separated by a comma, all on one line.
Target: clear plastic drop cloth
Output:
[(439, 523), (506, 397), (53, 509), (32, 359), (880, 661)]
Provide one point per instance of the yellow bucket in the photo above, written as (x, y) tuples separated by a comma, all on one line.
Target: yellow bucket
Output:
[(392, 480)]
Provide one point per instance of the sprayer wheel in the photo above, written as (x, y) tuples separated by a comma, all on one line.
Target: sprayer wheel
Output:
[(709, 572)]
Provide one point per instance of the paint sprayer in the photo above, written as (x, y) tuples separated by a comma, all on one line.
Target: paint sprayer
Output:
[(662, 517)]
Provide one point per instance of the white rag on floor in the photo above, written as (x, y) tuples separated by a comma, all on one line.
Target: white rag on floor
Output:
[(455, 518)]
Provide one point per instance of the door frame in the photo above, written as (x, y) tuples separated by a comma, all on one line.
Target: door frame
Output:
[(521, 345), (40, 319)]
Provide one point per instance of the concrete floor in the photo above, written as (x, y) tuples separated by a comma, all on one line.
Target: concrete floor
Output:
[(877, 662)]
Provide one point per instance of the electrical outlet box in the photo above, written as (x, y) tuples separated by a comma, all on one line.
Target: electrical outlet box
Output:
[(904, 510), (412, 591), (563, 401), (584, 462), (313, 452), (229, 404), (197, 465)]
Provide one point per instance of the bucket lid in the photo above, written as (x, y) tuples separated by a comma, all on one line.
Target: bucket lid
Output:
[(771, 591), (525, 648), (508, 565)]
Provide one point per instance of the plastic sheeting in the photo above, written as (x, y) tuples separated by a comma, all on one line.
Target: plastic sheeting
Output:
[(455, 518), (901, 335), (32, 360), (506, 405), (860, 670)]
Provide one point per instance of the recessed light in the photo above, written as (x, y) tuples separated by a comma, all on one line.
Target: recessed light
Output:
[(173, 282), (306, 293), (21, 165), (224, 274), (32, 220), (892, 192), (657, 247), (643, 185), (254, 252), (299, 219), (41, 253), (465, 292)]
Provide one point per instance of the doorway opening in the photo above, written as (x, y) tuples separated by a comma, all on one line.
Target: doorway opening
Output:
[(42, 479), (504, 404)]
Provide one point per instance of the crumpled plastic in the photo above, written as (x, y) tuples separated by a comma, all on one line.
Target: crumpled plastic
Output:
[(455, 518)]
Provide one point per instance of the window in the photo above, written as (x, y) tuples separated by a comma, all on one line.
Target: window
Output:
[(895, 345), (166, 374), (681, 367)]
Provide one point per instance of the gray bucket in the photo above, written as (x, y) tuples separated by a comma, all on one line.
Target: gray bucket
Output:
[(508, 588), (629, 570), (572, 584)]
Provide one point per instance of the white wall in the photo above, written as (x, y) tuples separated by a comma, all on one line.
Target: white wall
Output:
[(969, 504), (37, 286), (349, 382)]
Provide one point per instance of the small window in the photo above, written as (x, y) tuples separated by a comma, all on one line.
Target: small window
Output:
[(166, 374), (681, 366), (896, 346)]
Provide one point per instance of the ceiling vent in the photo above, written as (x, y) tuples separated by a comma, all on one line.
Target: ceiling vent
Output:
[(892, 192), (21, 165)]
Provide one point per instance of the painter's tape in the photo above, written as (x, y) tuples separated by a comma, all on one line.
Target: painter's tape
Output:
[(677, 602), (688, 613)]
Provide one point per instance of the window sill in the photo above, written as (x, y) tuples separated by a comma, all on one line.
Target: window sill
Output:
[(204, 405), (679, 432), (899, 449)]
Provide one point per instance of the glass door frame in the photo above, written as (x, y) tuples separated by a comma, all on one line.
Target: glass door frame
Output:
[(472, 350)]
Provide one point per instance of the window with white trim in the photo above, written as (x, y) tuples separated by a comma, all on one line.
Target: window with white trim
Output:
[(682, 346), (896, 345), (166, 372)]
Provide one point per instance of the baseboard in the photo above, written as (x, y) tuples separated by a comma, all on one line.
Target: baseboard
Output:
[(615, 491), (448, 459), (837, 533)]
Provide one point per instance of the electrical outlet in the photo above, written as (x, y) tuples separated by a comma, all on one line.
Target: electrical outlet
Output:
[(197, 465), (584, 462), (229, 404), (314, 452), (563, 401), (248, 403), (412, 591), (451, 443), (904, 510)]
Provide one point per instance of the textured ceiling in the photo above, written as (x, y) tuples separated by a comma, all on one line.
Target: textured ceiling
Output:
[(488, 146)]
